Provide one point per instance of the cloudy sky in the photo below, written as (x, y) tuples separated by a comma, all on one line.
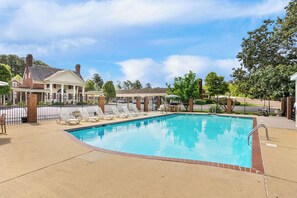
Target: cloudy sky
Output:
[(149, 40)]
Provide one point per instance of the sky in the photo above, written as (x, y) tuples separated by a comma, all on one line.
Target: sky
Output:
[(148, 40)]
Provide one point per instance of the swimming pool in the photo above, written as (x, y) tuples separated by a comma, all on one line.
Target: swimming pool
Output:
[(219, 139)]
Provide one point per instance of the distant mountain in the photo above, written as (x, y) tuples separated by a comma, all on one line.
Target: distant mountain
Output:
[(17, 63)]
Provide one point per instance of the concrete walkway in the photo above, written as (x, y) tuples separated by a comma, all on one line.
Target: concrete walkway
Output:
[(42, 161)]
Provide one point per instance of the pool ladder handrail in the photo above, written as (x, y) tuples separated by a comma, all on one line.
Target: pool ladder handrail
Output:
[(255, 129)]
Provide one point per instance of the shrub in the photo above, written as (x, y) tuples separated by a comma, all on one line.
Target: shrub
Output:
[(81, 103), (215, 109)]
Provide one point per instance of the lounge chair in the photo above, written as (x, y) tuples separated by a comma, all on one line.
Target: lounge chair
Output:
[(126, 110), (87, 117), (137, 111), (99, 113), (67, 118), (3, 123), (118, 114)]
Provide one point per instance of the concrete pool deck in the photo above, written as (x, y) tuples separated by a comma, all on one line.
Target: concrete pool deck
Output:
[(40, 160)]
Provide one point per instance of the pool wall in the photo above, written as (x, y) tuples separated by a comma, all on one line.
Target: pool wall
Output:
[(257, 163)]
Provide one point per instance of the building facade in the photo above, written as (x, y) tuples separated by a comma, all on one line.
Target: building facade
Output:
[(50, 84)]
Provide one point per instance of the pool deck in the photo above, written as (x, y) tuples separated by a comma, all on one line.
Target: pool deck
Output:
[(40, 160)]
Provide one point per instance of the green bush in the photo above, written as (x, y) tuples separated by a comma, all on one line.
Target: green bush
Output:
[(20, 103), (9, 103), (81, 103), (57, 103), (215, 109), (204, 101)]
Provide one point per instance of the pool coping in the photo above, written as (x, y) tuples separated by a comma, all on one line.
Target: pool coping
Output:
[(257, 162)]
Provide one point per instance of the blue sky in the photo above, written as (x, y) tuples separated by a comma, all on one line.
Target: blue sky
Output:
[(149, 40)]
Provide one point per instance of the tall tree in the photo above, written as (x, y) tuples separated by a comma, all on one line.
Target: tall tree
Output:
[(98, 81), (17, 63), (215, 84), (5, 76), (109, 90), (270, 48), (185, 87), (90, 85), (127, 84), (148, 86), (119, 85), (137, 85)]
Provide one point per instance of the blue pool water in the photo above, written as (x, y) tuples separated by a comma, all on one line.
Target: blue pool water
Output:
[(209, 138)]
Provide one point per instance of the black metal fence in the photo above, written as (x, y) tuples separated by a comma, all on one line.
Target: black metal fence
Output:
[(15, 113)]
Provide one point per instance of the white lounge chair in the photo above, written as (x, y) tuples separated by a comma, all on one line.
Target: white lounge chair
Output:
[(126, 110), (137, 111), (118, 114), (67, 118), (87, 117), (99, 113)]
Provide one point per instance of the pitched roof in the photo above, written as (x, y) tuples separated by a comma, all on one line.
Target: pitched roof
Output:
[(40, 72)]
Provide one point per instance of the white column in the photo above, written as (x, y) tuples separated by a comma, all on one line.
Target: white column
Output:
[(62, 92), (13, 97), (51, 91), (83, 93), (74, 92)]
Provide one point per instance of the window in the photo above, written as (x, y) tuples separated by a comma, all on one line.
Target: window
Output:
[(47, 86), (69, 87), (55, 86)]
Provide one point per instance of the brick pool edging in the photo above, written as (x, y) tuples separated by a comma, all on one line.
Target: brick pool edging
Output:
[(257, 163)]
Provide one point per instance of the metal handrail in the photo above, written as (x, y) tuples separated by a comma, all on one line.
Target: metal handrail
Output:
[(255, 129)]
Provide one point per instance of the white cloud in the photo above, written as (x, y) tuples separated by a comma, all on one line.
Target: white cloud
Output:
[(178, 65), (49, 19), (42, 50), (148, 70), (144, 70)]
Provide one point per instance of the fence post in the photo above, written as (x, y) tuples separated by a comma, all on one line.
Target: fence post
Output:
[(32, 108), (191, 106), (138, 103), (229, 105), (102, 103), (289, 107), (146, 104)]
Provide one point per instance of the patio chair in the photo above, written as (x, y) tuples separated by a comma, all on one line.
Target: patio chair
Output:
[(137, 111), (87, 117), (99, 113), (67, 118), (126, 110), (3, 123), (118, 114)]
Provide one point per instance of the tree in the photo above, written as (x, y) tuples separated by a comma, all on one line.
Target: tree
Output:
[(5, 76), (269, 57), (39, 62), (148, 86), (98, 81), (119, 85), (185, 87), (90, 85), (19, 78), (127, 84), (137, 85), (109, 90), (215, 84), (17, 63)]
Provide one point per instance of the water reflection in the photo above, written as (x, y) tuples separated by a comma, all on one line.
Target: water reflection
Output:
[(198, 137)]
